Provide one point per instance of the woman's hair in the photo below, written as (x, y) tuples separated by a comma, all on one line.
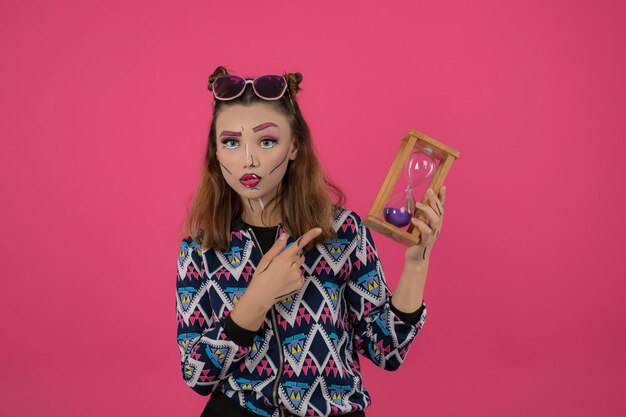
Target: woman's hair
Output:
[(303, 198)]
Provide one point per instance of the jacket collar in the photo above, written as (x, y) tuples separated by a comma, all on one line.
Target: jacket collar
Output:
[(237, 225)]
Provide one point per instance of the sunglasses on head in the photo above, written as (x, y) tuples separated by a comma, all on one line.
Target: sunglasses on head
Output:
[(268, 87)]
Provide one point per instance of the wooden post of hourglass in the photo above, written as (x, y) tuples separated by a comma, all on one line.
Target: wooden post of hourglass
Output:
[(412, 141)]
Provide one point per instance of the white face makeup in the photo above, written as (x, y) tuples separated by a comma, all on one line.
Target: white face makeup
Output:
[(254, 146)]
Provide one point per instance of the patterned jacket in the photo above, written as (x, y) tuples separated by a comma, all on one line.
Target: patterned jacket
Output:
[(342, 309)]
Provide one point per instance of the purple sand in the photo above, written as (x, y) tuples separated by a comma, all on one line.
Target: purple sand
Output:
[(396, 217)]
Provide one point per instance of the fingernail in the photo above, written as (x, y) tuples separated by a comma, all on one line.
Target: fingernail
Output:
[(430, 191), (283, 236), (318, 229)]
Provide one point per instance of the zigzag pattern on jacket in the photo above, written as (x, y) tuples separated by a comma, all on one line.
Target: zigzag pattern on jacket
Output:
[(341, 310)]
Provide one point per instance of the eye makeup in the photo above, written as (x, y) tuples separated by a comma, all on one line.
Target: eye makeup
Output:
[(229, 133), (272, 142), (226, 140), (254, 129), (272, 139), (264, 126)]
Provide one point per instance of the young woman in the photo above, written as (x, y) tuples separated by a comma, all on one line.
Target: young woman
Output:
[(278, 287)]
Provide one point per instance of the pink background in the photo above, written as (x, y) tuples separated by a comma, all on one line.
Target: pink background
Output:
[(104, 117)]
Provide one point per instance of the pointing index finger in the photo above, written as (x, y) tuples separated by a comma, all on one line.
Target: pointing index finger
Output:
[(303, 240)]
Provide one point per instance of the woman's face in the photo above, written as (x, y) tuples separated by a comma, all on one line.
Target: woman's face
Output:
[(254, 146)]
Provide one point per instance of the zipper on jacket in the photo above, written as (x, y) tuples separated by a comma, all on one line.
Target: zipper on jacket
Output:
[(275, 331)]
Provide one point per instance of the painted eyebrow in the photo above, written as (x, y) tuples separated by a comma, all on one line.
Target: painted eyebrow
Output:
[(229, 133), (263, 126)]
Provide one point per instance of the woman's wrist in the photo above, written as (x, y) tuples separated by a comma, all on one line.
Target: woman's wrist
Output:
[(255, 294), (417, 267), (409, 293), (249, 312)]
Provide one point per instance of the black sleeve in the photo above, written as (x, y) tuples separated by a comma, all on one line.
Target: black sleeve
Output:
[(411, 318), (241, 336)]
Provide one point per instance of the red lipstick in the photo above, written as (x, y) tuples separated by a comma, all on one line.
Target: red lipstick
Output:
[(249, 180)]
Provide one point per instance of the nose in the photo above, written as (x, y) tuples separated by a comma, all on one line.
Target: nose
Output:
[(249, 160)]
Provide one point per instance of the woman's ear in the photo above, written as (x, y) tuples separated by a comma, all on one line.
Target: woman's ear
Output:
[(293, 149)]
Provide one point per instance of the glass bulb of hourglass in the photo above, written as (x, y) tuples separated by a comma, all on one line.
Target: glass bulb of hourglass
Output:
[(419, 167), (400, 209)]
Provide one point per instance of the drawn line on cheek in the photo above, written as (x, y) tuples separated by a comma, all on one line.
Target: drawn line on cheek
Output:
[(226, 168), (286, 155)]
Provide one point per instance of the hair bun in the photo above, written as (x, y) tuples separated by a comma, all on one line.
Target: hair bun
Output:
[(293, 82), (218, 71)]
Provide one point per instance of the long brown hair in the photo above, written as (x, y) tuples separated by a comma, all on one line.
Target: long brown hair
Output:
[(304, 195)]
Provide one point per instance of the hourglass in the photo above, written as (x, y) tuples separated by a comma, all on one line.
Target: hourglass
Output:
[(425, 163)]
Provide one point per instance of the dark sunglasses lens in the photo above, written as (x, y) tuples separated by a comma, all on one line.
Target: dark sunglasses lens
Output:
[(270, 86), (228, 86)]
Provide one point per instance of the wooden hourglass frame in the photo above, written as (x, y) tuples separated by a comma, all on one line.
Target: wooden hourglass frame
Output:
[(412, 141)]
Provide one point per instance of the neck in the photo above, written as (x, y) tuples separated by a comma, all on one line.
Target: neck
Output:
[(252, 214)]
